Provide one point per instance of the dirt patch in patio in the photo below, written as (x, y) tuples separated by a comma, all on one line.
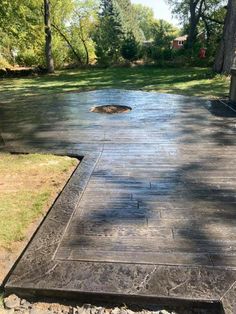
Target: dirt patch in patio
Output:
[(111, 109)]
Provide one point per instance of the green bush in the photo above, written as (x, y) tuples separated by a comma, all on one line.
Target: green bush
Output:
[(145, 52), (129, 49), (167, 54), (102, 58), (61, 53), (30, 57), (4, 63)]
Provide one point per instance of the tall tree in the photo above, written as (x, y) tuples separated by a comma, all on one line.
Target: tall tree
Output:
[(195, 9), (131, 24), (73, 23), (227, 50), (83, 24), (164, 33), (189, 11), (110, 32), (192, 12), (144, 16), (48, 37), (21, 29)]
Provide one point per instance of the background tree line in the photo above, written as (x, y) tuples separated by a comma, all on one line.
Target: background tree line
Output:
[(217, 19), (108, 32)]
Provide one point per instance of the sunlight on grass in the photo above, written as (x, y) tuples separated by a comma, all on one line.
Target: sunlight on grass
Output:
[(186, 81), (28, 185)]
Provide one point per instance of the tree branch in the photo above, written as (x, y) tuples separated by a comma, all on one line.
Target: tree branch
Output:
[(68, 42), (212, 19), (81, 36), (200, 10)]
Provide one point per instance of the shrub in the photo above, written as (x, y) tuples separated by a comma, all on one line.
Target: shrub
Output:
[(4, 63), (129, 49), (30, 57)]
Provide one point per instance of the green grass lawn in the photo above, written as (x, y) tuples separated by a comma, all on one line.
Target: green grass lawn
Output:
[(186, 81)]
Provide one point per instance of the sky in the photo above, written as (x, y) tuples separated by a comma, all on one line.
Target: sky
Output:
[(160, 8)]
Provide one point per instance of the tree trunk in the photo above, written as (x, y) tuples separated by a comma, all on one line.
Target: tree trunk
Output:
[(81, 35), (48, 37), (86, 51), (226, 53), (208, 30), (195, 9), (192, 34), (192, 26)]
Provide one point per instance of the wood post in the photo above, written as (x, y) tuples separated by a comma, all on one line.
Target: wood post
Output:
[(232, 94)]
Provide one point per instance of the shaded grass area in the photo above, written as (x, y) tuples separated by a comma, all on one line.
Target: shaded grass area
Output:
[(186, 81), (28, 185)]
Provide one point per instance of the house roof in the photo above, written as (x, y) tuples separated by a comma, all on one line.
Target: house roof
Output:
[(181, 38)]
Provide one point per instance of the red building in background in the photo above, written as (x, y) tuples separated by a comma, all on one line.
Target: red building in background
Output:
[(178, 43)]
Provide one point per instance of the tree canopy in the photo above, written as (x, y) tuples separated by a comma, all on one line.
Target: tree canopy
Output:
[(103, 31)]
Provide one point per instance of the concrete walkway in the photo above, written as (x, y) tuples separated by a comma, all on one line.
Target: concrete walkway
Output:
[(151, 209)]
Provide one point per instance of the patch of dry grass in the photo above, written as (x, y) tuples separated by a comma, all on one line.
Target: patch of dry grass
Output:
[(28, 186)]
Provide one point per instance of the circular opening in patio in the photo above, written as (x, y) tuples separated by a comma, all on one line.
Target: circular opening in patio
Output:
[(110, 109)]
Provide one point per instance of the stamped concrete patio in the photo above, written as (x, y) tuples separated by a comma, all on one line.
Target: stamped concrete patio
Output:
[(151, 209)]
